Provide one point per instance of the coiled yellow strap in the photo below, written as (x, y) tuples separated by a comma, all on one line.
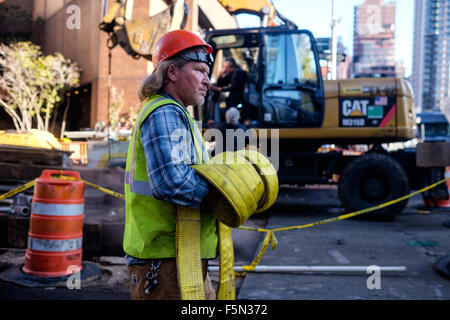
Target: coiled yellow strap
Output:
[(227, 287), (189, 264)]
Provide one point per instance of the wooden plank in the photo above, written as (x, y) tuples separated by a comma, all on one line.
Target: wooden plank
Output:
[(32, 156), (23, 172)]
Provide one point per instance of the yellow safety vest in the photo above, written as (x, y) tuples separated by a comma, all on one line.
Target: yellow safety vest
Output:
[(150, 223)]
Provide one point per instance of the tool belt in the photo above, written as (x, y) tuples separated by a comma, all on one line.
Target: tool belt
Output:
[(242, 183)]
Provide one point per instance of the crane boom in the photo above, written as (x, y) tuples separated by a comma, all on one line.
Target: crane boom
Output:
[(264, 9), (138, 36)]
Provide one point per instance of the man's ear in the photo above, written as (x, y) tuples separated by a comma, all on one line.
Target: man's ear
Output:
[(172, 73)]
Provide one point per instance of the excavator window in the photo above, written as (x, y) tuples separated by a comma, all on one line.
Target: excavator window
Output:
[(291, 81), (290, 59), (283, 85), (244, 49)]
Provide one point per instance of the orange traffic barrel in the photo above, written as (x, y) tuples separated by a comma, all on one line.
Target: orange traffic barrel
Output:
[(439, 203), (56, 225)]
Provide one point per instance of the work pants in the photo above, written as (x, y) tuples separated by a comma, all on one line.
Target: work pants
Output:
[(167, 286)]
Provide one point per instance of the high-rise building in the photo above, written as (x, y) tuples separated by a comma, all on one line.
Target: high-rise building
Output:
[(374, 39), (343, 58), (431, 54)]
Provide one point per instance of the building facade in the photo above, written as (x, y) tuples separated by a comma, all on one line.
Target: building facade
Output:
[(71, 27), (344, 60), (374, 39), (431, 54)]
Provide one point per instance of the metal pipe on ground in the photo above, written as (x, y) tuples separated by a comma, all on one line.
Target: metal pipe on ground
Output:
[(320, 269)]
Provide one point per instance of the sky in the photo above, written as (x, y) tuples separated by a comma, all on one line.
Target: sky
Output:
[(315, 16)]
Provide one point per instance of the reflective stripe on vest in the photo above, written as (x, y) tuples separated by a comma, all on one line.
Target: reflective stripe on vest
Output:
[(133, 141), (137, 186), (143, 187)]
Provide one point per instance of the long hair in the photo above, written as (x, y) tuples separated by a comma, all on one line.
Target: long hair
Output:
[(158, 79)]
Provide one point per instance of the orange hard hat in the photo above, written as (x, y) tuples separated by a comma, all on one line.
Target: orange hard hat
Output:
[(174, 42)]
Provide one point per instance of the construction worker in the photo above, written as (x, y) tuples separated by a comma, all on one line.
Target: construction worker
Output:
[(159, 177)]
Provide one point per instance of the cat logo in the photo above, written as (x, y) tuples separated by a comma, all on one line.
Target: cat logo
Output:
[(354, 108)]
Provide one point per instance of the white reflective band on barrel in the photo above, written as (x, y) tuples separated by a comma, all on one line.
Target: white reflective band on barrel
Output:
[(53, 209), (54, 245)]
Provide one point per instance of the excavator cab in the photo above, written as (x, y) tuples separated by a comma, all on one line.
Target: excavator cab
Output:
[(284, 84)]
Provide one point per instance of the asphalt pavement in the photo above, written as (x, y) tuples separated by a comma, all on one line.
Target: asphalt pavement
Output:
[(415, 239)]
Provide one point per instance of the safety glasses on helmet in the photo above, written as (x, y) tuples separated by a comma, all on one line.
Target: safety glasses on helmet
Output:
[(199, 55)]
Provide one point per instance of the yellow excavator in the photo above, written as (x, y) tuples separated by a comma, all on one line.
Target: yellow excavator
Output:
[(300, 111)]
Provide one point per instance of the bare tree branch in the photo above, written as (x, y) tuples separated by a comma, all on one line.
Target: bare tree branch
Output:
[(31, 84)]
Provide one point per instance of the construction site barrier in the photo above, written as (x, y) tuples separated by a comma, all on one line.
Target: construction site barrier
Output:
[(270, 233), (56, 225), (79, 151), (439, 203)]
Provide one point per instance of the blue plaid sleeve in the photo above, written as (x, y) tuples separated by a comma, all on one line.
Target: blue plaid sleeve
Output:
[(169, 152)]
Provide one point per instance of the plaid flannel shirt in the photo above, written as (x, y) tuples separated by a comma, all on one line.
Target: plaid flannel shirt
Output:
[(169, 152)]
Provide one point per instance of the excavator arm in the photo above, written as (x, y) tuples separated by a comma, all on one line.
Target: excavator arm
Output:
[(138, 36), (261, 8)]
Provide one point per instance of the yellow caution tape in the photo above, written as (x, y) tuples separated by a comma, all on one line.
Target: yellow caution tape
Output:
[(107, 191), (31, 184), (270, 236), (64, 177), (17, 190)]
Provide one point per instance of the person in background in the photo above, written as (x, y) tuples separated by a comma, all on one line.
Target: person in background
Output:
[(232, 117), (231, 79), (229, 130)]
